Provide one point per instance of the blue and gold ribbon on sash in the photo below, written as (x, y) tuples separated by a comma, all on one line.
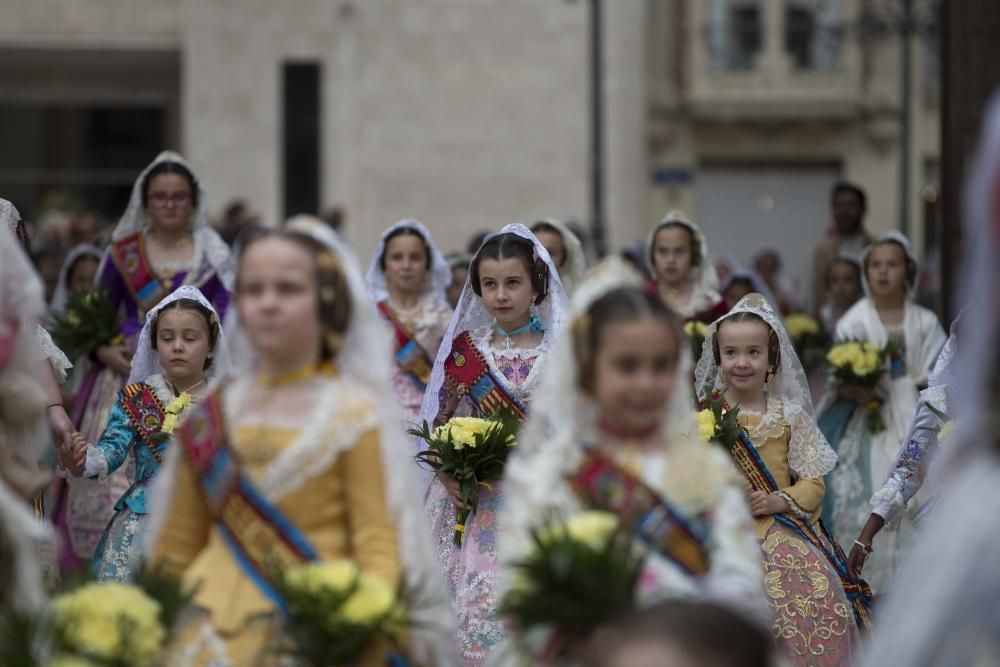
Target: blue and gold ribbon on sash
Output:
[(472, 377), (129, 256), (603, 484), (262, 539), (411, 358), (858, 592), (144, 410)]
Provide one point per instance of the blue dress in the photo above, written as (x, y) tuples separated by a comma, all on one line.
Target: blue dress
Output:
[(119, 551)]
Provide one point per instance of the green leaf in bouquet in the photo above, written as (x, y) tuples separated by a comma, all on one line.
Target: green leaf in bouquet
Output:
[(90, 321), (727, 426), (167, 590), (572, 585)]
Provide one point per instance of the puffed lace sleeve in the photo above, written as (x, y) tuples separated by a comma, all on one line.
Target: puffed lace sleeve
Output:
[(809, 453), (905, 477), (49, 352)]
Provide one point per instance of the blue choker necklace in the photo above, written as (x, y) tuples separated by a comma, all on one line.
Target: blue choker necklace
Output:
[(534, 325)]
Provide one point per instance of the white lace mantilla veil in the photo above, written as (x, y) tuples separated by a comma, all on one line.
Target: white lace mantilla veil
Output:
[(576, 259), (951, 618), (57, 306), (207, 242), (705, 281), (365, 359), (809, 453), (438, 277), (146, 362), (562, 421), (470, 314)]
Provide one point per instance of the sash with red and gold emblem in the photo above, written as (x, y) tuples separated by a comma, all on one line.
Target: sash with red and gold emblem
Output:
[(471, 376)]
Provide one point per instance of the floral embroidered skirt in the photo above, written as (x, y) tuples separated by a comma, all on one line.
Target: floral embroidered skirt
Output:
[(471, 571), (813, 622), (119, 552)]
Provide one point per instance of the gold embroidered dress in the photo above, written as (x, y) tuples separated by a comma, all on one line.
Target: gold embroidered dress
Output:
[(324, 473), (813, 622)]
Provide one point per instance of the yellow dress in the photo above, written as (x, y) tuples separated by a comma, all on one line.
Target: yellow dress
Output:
[(340, 509), (813, 622)]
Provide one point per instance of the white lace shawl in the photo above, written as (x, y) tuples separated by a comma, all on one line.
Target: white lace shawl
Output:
[(438, 277), (362, 394), (146, 361), (703, 278), (208, 244), (789, 400), (50, 352)]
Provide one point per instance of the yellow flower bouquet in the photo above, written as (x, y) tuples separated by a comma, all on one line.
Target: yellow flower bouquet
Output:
[(336, 613), (695, 332), (109, 624), (861, 364), (857, 362), (90, 321), (471, 450), (580, 573), (716, 423), (806, 334), (172, 416)]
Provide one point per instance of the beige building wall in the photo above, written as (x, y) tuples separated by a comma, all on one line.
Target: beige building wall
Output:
[(774, 115), (466, 115)]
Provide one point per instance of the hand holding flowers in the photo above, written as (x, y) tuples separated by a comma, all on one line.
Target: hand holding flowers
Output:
[(473, 452)]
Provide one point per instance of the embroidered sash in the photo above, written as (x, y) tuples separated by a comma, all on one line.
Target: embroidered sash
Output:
[(472, 376), (605, 485), (139, 278), (262, 539), (411, 358), (858, 592), (144, 410)]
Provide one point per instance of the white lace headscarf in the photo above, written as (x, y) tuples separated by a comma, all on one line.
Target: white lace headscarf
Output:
[(563, 419), (703, 278), (207, 242), (896, 237), (61, 294), (438, 276), (470, 315), (146, 361), (365, 358), (575, 263), (809, 453)]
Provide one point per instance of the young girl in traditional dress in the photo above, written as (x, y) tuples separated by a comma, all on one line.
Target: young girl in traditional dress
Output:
[(407, 280), (565, 250), (748, 362), (307, 450), (684, 278), (614, 411), (162, 241), (180, 349), (494, 353), (887, 315)]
